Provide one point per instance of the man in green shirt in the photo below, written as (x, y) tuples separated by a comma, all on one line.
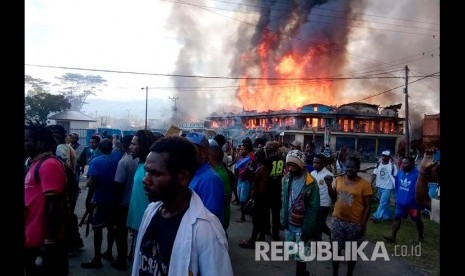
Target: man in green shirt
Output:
[(216, 161)]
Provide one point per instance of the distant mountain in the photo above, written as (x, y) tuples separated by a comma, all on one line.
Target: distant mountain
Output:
[(119, 109), (157, 109)]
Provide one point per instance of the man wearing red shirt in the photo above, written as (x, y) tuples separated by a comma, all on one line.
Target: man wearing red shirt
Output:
[(45, 252)]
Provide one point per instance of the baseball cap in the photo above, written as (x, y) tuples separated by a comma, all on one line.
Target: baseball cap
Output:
[(199, 139), (74, 134), (386, 153), (271, 145), (296, 143)]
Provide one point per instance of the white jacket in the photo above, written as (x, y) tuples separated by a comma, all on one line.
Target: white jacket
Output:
[(200, 246)]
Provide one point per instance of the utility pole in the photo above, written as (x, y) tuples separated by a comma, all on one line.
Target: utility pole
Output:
[(96, 118), (127, 110), (407, 128), (146, 103), (175, 109)]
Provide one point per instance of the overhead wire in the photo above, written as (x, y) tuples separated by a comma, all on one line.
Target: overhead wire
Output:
[(321, 15), (261, 27), (207, 8), (249, 78), (131, 72), (389, 90), (363, 14), (401, 61), (205, 77)]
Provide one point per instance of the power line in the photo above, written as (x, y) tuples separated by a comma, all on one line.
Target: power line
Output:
[(207, 77), (325, 15), (261, 27), (401, 61), (389, 90), (363, 14), (175, 109), (380, 16), (207, 8)]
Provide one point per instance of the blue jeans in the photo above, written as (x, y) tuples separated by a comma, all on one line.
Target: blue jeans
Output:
[(432, 189), (243, 190), (293, 234), (384, 211)]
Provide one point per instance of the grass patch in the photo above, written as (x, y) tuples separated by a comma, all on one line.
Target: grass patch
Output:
[(408, 235)]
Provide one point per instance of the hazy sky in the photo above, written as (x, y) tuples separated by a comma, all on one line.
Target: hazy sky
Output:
[(164, 37), (103, 35)]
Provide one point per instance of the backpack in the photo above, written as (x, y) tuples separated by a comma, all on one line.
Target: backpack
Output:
[(71, 235)]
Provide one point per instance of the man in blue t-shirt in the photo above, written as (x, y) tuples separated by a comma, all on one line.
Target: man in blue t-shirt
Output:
[(100, 201), (206, 182), (92, 151), (406, 205)]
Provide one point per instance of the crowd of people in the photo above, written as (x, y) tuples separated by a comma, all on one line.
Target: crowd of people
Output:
[(174, 195)]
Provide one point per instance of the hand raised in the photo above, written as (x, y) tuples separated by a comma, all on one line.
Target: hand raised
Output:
[(429, 167)]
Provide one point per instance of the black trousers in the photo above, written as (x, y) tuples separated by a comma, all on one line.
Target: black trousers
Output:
[(275, 207), (121, 233), (261, 207), (321, 226)]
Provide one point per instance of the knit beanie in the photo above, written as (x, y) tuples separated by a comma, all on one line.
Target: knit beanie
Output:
[(297, 157)]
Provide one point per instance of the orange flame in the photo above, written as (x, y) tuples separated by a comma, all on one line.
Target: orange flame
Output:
[(267, 93)]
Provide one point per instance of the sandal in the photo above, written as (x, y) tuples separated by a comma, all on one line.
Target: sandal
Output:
[(246, 244)]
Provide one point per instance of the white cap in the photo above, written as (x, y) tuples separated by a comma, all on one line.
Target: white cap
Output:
[(296, 143), (386, 153)]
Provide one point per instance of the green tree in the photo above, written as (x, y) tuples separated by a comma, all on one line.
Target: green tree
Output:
[(39, 105), (34, 86), (78, 87)]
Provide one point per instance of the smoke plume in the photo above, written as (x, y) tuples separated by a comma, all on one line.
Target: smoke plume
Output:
[(365, 45), (348, 39)]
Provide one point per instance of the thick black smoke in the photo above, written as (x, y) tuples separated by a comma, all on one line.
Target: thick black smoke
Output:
[(294, 26), (352, 39), (355, 39)]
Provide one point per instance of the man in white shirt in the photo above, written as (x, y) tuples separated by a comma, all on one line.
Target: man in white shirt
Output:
[(178, 235), (384, 174), (319, 172)]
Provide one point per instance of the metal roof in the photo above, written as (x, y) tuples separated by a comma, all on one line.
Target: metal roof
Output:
[(71, 115)]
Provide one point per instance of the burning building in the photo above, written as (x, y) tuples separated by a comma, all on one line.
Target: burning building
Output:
[(303, 69), (432, 129), (362, 127), (291, 82)]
